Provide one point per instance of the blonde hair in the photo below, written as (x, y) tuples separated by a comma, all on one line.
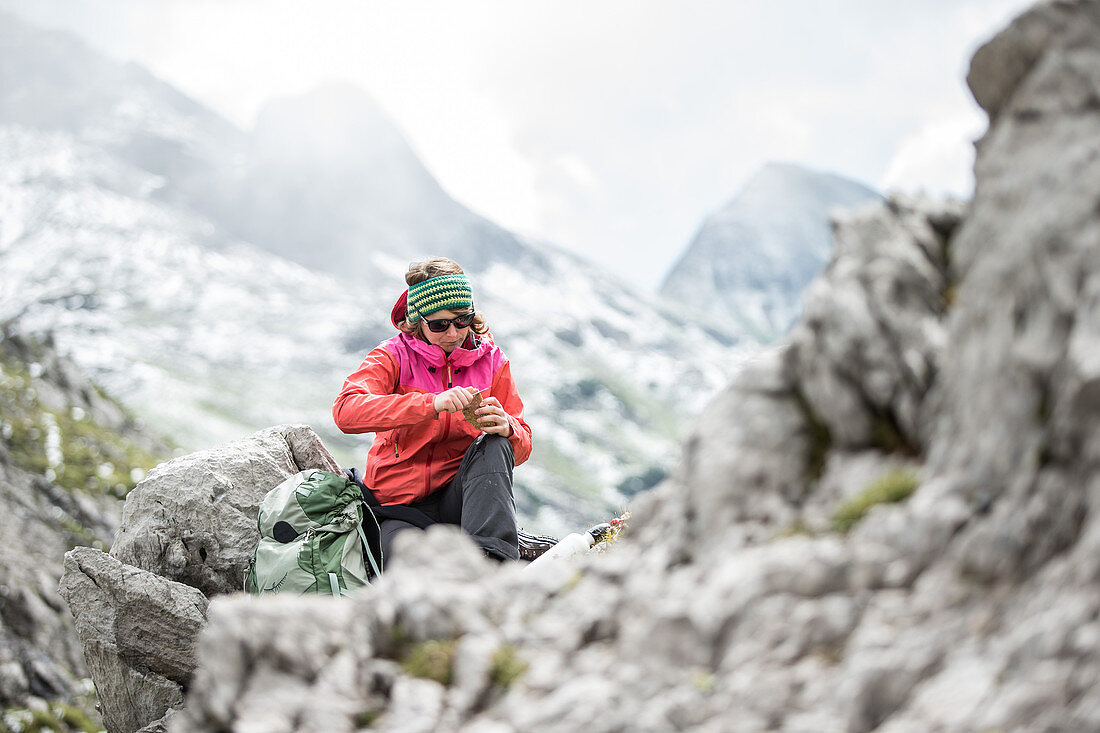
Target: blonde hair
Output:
[(421, 270)]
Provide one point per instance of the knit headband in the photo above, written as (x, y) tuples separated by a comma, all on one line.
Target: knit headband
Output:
[(446, 292)]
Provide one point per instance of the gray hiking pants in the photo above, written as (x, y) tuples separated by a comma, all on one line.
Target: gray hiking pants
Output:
[(478, 499)]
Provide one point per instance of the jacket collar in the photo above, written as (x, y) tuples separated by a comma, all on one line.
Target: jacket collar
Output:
[(461, 356)]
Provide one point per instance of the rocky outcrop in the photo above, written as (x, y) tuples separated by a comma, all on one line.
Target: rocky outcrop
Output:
[(138, 632), (849, 387), (891, 522), (67, 452), (188, 531), (193, 519), (1028, 263)]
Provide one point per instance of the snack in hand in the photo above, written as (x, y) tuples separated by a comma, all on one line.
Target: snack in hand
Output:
[(468, 411)]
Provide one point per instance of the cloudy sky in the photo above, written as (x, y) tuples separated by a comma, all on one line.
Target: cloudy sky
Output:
[(610, 127)]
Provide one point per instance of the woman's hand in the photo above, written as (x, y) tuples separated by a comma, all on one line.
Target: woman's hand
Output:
[(492, 418), (454, 399)]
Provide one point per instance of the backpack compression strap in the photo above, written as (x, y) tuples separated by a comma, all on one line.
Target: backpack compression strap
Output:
[(366, 550)]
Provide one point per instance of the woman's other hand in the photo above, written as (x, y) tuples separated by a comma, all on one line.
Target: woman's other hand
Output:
[(492, 418)]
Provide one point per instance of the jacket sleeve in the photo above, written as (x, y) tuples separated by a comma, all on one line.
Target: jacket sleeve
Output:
[(504, 389), (368, 402)]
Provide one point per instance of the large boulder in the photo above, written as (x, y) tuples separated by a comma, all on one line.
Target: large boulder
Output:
[(138, 631), (193, 519), (188, 531), (1027, 262), (339, 671)]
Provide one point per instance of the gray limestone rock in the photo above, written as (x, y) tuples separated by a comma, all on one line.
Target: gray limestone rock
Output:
[(161, 725), (868, 347), (45, 513), (278, 676), (39, 655), (193, 519), (138, 631), (1027, 306)]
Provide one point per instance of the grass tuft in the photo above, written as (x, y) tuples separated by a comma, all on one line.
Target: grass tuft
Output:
[(56, 718), (505, 667), (891, 488), (432, 660)]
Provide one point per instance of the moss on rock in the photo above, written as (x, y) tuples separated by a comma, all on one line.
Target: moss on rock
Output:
[(505, 667), (891, 488), (433, 659)]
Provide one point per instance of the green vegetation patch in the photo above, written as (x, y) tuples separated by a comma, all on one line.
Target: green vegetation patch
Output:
[(368, 718), (67, 447), (505, 667), (432, 660), (891, 488), (57, 717), (703, 681)]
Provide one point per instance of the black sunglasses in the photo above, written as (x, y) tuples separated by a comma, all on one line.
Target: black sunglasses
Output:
[(440, 325)]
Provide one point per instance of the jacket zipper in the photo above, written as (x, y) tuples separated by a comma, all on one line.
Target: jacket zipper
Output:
[(431, 446)]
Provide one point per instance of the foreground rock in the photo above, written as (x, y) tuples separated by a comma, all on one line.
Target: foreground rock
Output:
[(138, 632)]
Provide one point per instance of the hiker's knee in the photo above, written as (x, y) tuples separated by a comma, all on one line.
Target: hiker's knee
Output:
[(493, 450), (498, 443)]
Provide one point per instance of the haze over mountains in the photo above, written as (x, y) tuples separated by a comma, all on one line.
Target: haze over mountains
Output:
[(751, 260), (218, 281)]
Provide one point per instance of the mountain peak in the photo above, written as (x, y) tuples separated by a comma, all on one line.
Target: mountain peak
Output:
[(795, 184), (751, 259), (333, 119)]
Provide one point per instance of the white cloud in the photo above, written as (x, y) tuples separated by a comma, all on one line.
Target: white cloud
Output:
[(938, 159)]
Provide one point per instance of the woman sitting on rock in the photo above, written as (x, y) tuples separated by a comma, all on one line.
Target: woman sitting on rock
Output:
[(428, 464)]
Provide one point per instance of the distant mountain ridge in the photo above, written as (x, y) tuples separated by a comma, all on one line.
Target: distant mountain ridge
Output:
[(324, 179), (52, 81), (751, 259)]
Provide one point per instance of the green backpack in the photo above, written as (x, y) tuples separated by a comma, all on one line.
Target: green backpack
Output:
[(312, 538)]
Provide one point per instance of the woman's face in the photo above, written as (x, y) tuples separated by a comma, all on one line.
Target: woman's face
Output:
[(446, 340)]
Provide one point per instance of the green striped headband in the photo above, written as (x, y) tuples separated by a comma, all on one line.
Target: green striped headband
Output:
[(446, 292)]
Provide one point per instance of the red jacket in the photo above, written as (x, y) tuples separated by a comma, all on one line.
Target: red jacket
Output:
[(416, 451)]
